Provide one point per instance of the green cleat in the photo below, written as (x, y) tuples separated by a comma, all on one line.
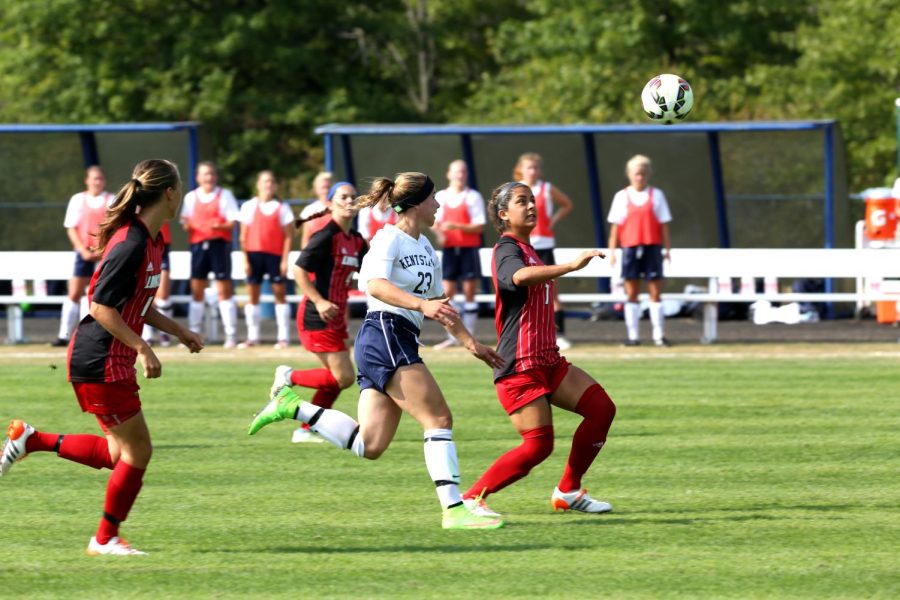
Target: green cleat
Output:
[(460, 517), (282, 406)]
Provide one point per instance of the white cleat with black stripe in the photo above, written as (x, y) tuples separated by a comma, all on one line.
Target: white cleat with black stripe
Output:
[(17, 434), (578, 501)]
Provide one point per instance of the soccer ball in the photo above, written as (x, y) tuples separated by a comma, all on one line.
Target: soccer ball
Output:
[(667, 98)]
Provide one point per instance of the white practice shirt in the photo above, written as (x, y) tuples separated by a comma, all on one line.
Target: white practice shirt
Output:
[(619, 209), (228, 206), (411, 265), (248, 211), (76, 206), (472, 198)]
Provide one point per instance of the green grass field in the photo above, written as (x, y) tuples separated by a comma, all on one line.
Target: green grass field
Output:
[(768, 472)]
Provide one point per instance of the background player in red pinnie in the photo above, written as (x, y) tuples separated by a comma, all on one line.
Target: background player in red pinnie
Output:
[(324, 272), (640, 218), (105, 346), (266, 233), (553, 205), (459, 224), (534, 376), (84, 214), (209, 214)]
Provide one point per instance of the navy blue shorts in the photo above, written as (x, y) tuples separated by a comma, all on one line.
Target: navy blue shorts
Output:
[(460, 264), (165, 265), (385, 342), (211, 256), (83, 268), (642, 262), (546, 256), (262, 264)]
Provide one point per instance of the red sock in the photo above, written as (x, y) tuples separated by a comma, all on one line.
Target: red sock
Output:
[(121, 492), (41, 442), (598, 411), (537, 444), (85, 449), (314, 378), (325, 397)]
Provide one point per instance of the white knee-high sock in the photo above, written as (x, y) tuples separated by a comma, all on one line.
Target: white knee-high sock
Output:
[(657, 319), (632, 318), (283, 319), (148, 333), (470, 316), (443, 465), (252, 314), (195, 316), (68, 317), (83, 308), (333, 425), (228, 310)]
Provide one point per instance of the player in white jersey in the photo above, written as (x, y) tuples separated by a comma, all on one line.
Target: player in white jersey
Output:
[(402, 280), (85, 213)]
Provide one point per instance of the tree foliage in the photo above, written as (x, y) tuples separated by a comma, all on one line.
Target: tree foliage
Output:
[(261, 74)]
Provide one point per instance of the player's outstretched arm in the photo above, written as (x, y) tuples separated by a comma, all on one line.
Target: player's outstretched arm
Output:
[(192, 341), (483, 353), (538, 274), (438, 309)]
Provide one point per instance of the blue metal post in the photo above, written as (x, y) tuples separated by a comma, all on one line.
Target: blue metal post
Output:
[(329, 152), (715, 165), (469, 157), (89, 148), (349, 175), (193, 154), (829, 207), (593, 175)]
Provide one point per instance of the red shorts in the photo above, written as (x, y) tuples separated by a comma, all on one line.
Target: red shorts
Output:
[(324, 340), (112, 403), (517, 390)]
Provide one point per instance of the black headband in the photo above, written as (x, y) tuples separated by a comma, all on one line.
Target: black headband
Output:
[(415, 198)]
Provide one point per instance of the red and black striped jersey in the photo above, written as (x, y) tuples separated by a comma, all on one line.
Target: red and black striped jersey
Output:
[(526, 335), (126, 280), (332, 257)]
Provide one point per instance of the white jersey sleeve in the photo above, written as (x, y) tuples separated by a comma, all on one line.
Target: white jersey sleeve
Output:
[(287, 215), (475, 205), (74, 210), (187, 205), (661, 206), (362, 222), (228, 206), (247, 211), (619, 208), (411, 265)]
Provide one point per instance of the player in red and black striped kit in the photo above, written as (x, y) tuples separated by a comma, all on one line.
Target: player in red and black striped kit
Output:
[(324, 273), (106, 344), (534, 376)]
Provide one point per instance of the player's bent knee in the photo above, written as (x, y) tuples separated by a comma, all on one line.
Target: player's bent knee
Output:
[(345, 380)]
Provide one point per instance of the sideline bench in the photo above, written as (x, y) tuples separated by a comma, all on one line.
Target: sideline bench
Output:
[(865, 267)]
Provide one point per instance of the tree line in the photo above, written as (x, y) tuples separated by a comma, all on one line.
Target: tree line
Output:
[(261, 74)]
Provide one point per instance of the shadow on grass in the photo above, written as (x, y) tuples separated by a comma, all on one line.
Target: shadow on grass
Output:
[(601, 521), (182, 446), (762, 507), (437, 549)]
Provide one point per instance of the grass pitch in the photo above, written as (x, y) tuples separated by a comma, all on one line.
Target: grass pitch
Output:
[(734, 473)]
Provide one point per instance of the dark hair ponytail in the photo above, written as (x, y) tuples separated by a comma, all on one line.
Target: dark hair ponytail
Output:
[(149, 181)]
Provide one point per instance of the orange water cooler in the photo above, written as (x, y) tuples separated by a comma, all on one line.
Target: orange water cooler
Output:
[(881, 227)]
